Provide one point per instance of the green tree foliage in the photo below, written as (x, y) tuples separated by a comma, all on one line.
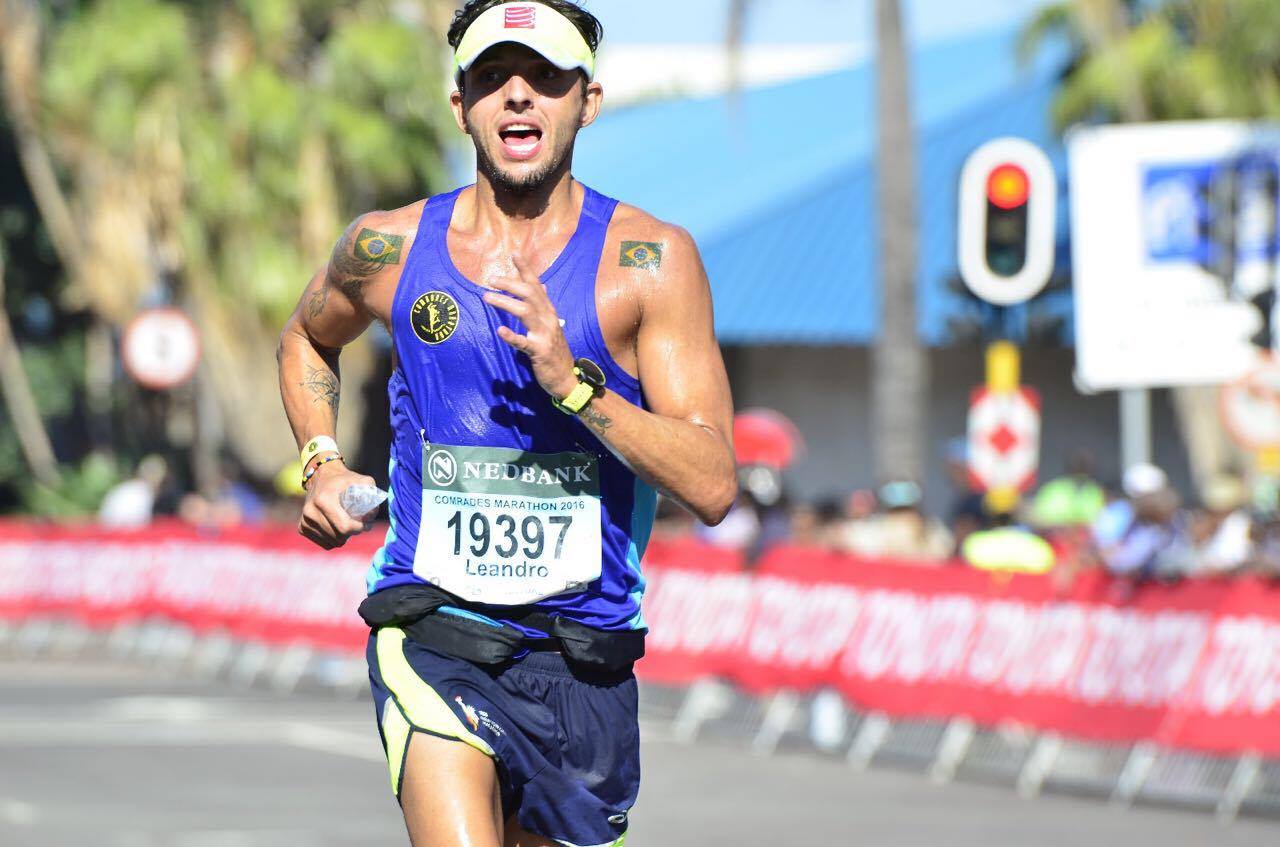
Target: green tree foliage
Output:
[(212, 151), (226, 98), (1165, 60)]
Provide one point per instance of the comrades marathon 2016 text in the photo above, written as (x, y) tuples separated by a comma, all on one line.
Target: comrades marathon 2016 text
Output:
[(531, 504)]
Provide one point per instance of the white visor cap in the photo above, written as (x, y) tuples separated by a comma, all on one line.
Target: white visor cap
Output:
[(538, 27)]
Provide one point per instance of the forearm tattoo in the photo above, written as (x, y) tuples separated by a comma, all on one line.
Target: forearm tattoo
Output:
[(640, 254), (596, 419), (359, 255), (323, 384)]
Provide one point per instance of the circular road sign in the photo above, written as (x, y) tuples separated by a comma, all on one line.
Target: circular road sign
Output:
[(1250, 406), (160, 348)]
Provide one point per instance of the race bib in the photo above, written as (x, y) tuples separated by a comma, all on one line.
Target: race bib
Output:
[(508, 527)]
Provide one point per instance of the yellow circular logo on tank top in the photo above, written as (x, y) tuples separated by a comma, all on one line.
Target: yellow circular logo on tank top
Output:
[(434, 317)]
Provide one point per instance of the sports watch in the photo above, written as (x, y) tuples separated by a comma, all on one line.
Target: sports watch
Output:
[(590, 385)]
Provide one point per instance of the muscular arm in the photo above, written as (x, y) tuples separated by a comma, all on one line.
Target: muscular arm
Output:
[(330, 314), (682, 445)]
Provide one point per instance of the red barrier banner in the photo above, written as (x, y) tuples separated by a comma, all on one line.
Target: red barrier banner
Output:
[(1193, 665), (256, 584)]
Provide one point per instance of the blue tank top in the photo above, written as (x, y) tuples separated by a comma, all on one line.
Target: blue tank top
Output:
[(472, 389)]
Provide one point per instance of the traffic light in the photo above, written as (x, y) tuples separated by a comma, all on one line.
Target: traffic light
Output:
[(1008, 197), (1008, 190)]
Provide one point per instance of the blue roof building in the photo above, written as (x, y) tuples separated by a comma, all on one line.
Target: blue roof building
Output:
[(777, 185)]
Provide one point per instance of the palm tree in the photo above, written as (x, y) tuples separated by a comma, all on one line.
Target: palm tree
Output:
[(899, 367), (209, 153), (899, 378), (21, 404)]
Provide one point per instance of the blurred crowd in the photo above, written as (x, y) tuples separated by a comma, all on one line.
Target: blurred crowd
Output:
[(1139, 529), (153, 491)]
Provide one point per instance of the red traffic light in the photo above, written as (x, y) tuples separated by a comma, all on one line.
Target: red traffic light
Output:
[(1008, 186)]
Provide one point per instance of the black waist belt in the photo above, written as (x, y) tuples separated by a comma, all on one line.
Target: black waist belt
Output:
[(415, 609)]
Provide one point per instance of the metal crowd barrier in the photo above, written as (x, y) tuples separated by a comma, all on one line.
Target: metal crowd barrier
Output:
[(818, 723)]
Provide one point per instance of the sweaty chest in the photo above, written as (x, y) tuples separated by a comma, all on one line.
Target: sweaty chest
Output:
[(588, 284)]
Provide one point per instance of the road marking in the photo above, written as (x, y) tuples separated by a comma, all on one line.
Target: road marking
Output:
[(325, 740), (165, 709)]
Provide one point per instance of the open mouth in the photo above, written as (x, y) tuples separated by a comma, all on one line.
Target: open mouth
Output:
[(520, 141)]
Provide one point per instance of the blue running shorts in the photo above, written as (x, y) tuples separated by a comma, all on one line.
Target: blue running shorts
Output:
[(566, 742)]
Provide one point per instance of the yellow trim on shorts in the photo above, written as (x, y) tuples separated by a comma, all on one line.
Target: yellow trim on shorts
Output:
[(395, 733), (622, 839), (424, 709)]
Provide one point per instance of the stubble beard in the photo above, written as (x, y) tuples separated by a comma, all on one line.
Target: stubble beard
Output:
[(518, 185), (524, 184)]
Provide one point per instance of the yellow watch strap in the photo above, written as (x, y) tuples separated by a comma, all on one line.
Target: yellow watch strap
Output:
[(577, 399)]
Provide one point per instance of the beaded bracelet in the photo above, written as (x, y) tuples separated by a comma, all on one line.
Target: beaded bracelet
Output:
[(306, 475)]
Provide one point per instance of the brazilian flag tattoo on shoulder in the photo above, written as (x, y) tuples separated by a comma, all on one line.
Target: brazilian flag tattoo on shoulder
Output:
[(640, 254), (373, 246)]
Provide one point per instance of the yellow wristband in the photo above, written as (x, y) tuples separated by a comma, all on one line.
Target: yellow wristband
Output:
[(317, 445)]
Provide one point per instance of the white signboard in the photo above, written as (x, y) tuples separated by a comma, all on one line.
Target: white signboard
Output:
[(1153, 305)]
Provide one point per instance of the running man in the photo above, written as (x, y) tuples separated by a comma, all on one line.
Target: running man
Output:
[(555, 366)]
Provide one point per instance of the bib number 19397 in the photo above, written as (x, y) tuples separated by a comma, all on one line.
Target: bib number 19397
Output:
[(507, 527), (479, 534)]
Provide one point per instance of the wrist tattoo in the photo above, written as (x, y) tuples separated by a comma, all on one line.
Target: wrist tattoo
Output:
[(359, 255), (640, 254), (596, 418), (324, 385)]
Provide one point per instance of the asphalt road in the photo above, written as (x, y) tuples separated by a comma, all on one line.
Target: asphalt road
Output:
[(115, 757)]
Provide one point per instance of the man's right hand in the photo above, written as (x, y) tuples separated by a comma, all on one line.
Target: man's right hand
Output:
[(324, 521)]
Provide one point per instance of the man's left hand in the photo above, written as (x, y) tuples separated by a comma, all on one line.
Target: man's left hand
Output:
[(544, 343)]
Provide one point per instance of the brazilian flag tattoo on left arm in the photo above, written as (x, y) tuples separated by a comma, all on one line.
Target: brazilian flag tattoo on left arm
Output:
[(640, 254)]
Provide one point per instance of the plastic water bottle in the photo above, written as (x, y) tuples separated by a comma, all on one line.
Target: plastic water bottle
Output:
[(362, 501)]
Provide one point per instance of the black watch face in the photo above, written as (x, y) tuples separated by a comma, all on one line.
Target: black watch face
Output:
[(591, 373)]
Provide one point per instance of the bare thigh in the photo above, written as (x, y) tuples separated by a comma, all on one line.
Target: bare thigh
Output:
[(450, 795)]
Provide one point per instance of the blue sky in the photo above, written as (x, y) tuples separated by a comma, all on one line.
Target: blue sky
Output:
[(792, 21)]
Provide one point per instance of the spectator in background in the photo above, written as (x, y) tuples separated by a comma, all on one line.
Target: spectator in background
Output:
[(806, 525), (131, 504), (1144, 535), (233, 503), (1222, 533), (1075, 499), (817, 524), (1266, 546), (901, 530), (1008, 546), (830, 522), (859, 514), (968, 513)]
